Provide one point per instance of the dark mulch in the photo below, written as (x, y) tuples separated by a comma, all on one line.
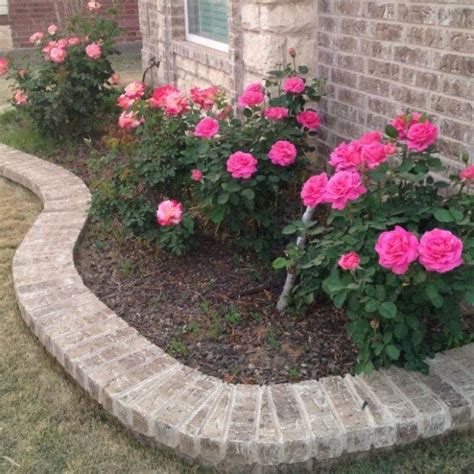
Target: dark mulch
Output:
[(214, 309)]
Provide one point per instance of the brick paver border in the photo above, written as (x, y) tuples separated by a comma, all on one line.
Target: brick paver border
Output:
[(233, 427)]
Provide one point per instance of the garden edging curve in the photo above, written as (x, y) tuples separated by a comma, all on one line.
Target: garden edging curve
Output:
[(233, 427)]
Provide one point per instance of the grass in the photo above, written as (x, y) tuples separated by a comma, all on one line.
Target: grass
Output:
[(49, 425)]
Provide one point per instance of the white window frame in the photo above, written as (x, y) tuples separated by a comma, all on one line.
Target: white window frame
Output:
[(193, 38)]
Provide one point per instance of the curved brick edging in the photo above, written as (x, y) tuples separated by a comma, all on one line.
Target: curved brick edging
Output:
[(234, 427)]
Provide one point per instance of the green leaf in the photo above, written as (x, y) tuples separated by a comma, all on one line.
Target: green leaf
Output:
[(231, 186), (457, 214), (303, 69), (393, 352), (371, 306), (248, 194), (340, 299), (223, 198), (217, 215), (443, 215), (391, 131), (289, 229), (388, 310), (279, 263)]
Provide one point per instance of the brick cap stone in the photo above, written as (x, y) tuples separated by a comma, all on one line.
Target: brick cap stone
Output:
[(248, 428)]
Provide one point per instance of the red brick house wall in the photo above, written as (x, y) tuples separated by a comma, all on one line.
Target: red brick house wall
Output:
[(27, 16)]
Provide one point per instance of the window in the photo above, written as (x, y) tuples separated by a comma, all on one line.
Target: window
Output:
[(207, 23)]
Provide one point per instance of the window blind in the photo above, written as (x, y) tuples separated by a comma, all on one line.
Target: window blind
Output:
[(208, 19)]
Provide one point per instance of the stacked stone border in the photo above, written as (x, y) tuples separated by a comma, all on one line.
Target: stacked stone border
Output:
[(238, 428)]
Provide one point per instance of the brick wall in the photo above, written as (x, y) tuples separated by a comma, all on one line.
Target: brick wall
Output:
[(381, 57), (28, 16)]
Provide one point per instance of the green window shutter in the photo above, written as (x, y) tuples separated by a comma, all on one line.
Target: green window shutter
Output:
[(209, 19)]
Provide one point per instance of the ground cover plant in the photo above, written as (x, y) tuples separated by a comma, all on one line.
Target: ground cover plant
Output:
[(66, 90)]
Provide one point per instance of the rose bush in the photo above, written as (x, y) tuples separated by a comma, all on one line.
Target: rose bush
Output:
[(66, 95), (236, 172), (391, 242)]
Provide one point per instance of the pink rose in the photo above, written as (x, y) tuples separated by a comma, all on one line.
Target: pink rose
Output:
[(309, 119), (204, 97), (250, 98), (20, 97), (94, 51), (292, 52), (125, 102), (129, 120), (403, 122), (196, 175), (169, 213), (175, 104), (52, 29), (159, 95), (283, 153), (467, 173), (314, 190), (206, 128), (346, 156), (3, 66), (254, 87), (397, 249), (135, 89), (294, 85), (440, 251), (36, 38), (349, 261), (276, 113), (373, 155), (93, 6), (74, 41), (421, 136), (57, 55), (371, 137), (115, 79), (344, 186), (241, 165)]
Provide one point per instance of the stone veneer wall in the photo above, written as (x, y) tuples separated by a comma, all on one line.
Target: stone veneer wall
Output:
[(379, 57)]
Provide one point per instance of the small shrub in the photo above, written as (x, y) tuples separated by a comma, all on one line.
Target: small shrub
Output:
[(395, 248), (66, 93)]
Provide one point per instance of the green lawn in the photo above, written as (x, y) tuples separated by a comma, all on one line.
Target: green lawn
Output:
[(49, 425)]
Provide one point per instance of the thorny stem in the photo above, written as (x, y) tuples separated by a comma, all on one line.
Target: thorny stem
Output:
[(291, 275)]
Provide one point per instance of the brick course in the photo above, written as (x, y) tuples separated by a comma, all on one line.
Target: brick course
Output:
[(235, 428), (28, 16)]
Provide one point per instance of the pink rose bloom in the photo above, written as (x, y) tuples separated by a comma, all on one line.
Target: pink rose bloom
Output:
[(129, 120), (196, 175), (397, 249), (440, 251), (125, 102), (276, 113), (402, 124), (3, 66), (57, 55), (309, 119), (74, 41), (52, 29), (94, 51), (169, 213), (254, 87), (292, 52), (294, 85), (250, 98), (93, 6), (159, 95), (63, 43), (20, 97), (373, 155), (421, 136), (242, 165), (467, 173), (349, 261), (206, 128), (175, 104), (371, 137), (346, 156), (344, 186), (204, 97), (36, 38), (135, 89), (283, 153), (115, 79), (314, 190)]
